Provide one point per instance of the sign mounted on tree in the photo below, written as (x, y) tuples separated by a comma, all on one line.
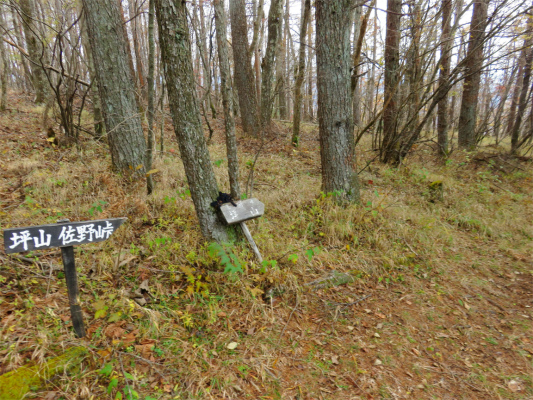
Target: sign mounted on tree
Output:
[(65, 235)]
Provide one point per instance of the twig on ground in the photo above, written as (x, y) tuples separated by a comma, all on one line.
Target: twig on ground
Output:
[(289, 319), (351, 303)]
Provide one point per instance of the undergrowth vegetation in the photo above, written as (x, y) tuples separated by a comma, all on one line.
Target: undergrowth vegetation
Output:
[(423, 290)]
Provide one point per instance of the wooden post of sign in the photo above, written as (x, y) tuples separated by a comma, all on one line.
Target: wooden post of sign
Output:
[(71, 276), (244, 211), (251, 241)]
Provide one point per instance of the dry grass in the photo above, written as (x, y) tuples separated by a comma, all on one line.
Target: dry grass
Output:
[(449, 282)]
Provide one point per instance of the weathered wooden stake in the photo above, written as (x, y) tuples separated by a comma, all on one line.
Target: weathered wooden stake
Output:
[(251, 241), (71, 276)]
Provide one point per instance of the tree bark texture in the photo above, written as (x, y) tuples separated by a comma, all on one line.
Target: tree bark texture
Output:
[(178, 67), (337, 144), (445, 45), (300, 75), (243, 75), (227, 98), (274, 20), (472, 71), (121, 116), (389, 146), (150, 93), (35, 48)]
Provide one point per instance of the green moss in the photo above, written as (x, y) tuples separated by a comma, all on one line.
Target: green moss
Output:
[(15, 384)]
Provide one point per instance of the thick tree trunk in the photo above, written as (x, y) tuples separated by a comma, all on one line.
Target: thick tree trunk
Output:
[(390, 145), (300, 75), (122, 119), (337, 144), (274, 20), (35, 48), (227, 98), (472, 71), (244, 76), (444, 67), (176, 55)]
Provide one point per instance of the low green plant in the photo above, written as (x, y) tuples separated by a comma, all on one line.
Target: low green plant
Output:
[(226, 256), (97, 206)]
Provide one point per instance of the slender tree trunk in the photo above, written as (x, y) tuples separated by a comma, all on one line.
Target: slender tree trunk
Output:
[(280, 73), (444, 67), (176, 55), (95, 97), (300, 75), (310, 102), (244, 76), (227, 98), (337, 144), (371, 87), (389, 146), (122, 119), (35, 48), (136, 49), (151, 94), (5, 62), (274, 20), (522, 102), (473, 65), (28, 80)]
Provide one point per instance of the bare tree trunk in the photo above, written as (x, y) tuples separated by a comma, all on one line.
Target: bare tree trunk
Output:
[(522, 102), (274, 20), (5, 62), (122, 119), (337, 144), (35, 48), (389, 146), (176, 55), (473, 65), (371, 87), (243, 74), (300, 75), (227, 98), (444, 67), (151, 94), (256, 45), (280, 72), (310, 102), (95, 97), (28, 80), (136, 49)]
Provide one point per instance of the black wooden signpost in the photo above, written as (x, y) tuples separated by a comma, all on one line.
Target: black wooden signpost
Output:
[(245, 210), (65, 235)]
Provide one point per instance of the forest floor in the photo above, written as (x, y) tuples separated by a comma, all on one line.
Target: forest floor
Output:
[(436, 301)]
